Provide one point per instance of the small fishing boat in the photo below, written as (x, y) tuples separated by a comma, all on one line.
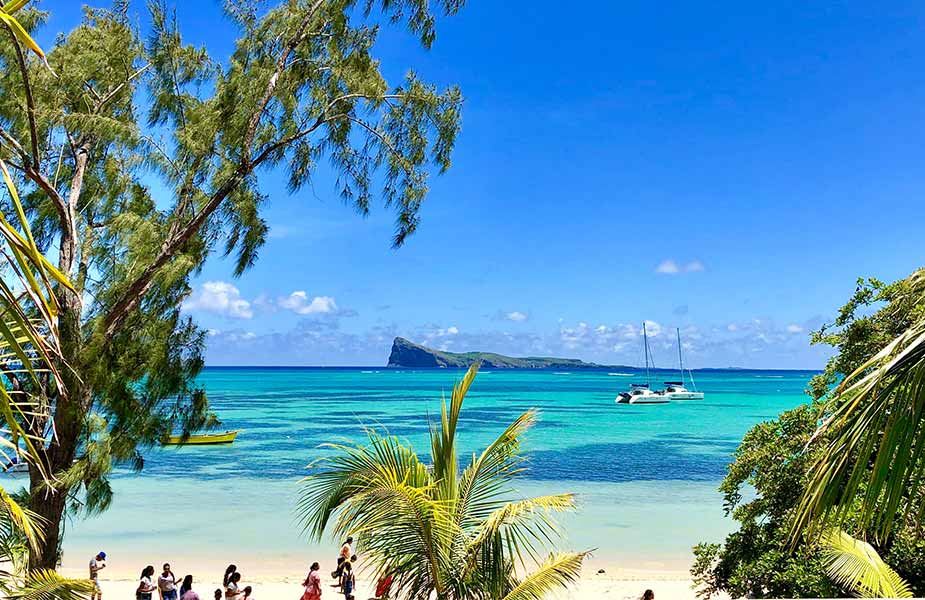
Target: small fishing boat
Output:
[(639, 393), (202, 439)]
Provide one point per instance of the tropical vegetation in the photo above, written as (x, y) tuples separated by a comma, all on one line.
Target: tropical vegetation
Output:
[(140, 155), (804, 528), (437, 530), (29, 356)]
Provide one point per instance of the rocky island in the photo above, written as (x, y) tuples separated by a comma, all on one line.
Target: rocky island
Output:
[(406, 353)]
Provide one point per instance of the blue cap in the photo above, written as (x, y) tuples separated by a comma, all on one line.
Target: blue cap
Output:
[(102, 555)]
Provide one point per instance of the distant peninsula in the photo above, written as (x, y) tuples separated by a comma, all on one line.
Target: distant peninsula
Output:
[(407, 354)]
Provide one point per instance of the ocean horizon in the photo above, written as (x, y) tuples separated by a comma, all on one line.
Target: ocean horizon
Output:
[(645, 476)]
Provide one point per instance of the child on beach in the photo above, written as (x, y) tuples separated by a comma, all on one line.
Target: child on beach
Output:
[(648, 595), (248, 590), (312, 584), (347, 581), (218, 594)]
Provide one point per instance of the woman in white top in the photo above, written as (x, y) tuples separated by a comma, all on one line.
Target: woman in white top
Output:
[(145, 585), (232, 591)]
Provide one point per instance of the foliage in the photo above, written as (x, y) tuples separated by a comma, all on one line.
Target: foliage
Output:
[(133, 199), (875, 432), (855, 565), (435, 529), (760, 492), (874, 315), (776, 462), (29, 349)]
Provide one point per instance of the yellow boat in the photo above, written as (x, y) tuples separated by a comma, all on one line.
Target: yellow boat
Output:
[(202, 439)]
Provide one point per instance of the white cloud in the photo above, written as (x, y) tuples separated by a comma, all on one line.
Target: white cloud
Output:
[(220, 298), (694, 266), (516, 315), (672, 267), (794, 328), (668, 267), (299, 303), (452, 330)]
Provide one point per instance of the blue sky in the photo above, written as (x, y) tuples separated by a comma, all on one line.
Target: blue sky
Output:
[(723, 168)]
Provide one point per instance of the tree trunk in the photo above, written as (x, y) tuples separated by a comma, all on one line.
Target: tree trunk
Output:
[(70, 409)]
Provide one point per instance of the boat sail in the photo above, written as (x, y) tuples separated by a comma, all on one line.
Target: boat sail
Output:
[(675, 390), (641, 393)]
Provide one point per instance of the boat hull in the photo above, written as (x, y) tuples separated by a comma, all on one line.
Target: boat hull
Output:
[(642, 399), (205, 439), (684, 395)]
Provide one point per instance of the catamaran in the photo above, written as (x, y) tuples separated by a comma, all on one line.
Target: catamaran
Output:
[(675, 390), (640, 393)]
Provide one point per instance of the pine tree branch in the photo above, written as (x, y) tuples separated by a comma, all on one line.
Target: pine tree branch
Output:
[(298, 37), (112, 93)]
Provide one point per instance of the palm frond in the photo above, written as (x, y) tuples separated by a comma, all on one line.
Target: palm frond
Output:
[(443, 440), (483, 482), (856, 566), (557, 572), (433, 532), (27, 522), (18, 30), (48, 585), (877, 440)]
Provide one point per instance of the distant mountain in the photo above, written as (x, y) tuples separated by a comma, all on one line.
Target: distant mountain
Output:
[(406, 353)]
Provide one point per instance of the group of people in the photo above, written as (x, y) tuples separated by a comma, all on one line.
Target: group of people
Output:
[(344, 576), (169, 587)]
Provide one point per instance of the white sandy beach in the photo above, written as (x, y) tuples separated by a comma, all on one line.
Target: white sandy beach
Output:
[(618, 584)]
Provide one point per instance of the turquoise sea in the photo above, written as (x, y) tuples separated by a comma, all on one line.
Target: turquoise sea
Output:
[(646, 476)]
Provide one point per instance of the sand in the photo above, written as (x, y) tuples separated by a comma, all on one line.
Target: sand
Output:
[(616, 584)]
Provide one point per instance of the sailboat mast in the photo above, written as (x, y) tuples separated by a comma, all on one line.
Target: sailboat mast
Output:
[(680, 360), (645, 343)]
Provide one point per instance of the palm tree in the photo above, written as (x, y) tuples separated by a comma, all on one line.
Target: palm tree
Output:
[(436, 530), (856, 566), (875, 453)]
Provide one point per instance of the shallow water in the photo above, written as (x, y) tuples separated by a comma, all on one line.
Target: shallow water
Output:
[(646, 476)]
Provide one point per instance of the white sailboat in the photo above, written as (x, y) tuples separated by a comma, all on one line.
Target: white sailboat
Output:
[(640, 393), (675, 390)]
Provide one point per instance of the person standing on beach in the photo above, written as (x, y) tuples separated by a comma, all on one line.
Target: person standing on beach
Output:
[(346, 551), (347, 581), (232, 591), (312, 584), (648, 595), (186, 590), (145, 584), (97, 564), (167, 584), (228, 573), (186, 586)]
